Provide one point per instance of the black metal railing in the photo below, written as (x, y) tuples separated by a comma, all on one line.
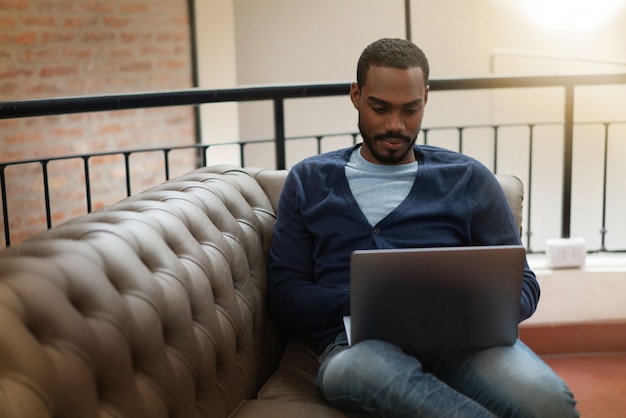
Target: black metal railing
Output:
[(278, 95)]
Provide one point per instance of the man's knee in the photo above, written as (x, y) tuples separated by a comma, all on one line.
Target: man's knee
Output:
[(359, 360), (541, 400), (368, 365)]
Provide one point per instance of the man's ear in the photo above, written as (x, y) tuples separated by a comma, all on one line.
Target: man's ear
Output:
[(355, 95), (426, 94)]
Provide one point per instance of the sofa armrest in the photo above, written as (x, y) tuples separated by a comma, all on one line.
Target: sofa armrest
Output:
[(514, 191)]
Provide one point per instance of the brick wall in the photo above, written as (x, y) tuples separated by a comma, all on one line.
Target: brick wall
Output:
[(53, 48)]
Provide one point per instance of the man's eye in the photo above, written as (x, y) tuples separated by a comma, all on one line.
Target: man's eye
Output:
[(378, 109), (410, 111)]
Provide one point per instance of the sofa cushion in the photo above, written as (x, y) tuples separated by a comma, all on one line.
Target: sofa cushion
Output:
[(294, 379), (271, 408)]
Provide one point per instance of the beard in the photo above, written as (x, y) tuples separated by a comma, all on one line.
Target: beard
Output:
[(389, 157)]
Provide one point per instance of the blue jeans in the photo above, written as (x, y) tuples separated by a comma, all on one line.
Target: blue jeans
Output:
[(378, 377)]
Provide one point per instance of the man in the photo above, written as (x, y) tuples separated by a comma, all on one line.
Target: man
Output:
[(391, 193)]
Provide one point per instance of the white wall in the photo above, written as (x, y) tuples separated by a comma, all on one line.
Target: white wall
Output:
[(287, 41), (297, 41), (217, 68)]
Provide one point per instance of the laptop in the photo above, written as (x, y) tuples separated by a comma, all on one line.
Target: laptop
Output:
[(446, 298)]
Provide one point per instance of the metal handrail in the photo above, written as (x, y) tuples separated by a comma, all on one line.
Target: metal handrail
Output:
[(197, 96)]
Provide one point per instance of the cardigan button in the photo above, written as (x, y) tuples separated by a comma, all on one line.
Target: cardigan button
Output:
[(376, 231)]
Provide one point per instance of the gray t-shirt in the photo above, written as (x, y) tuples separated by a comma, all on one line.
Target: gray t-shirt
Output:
[(377, 188)]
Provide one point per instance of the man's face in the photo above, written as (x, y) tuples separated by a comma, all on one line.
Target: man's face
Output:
[(391, 108)]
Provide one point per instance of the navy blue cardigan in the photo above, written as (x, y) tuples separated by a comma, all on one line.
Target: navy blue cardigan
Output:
[(454, 201)]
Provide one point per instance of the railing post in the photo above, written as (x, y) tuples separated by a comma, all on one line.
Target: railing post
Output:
[(279, 132), (46, 192), (603, 230), (127, 169), (495, 149), (529, 201), (203, 157), (568, 146), (5, 209), (87, 182), (242, 154), (166, 161), (318, 140)]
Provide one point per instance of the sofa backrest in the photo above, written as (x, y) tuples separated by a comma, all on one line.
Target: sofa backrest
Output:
[(152, 307)]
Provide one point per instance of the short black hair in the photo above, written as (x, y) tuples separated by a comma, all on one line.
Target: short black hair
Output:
[(391, 53)]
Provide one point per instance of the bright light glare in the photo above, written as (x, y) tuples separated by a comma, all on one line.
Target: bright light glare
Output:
[(561, 14)]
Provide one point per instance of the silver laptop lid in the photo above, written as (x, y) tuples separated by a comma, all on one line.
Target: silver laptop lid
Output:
[(437, 298)]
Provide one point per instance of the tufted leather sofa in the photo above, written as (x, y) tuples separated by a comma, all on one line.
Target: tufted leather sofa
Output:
[(156, 307)]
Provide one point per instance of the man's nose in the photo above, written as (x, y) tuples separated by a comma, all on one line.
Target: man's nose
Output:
[(394, 122)]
